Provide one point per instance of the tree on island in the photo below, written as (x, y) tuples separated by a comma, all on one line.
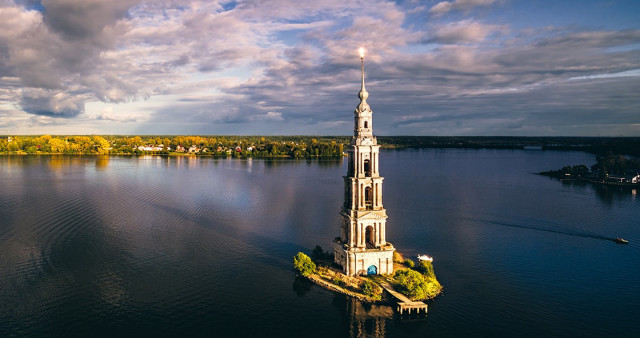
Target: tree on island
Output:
[(418, 285), (303, 264), (426, 268), (576, 170), (609, 164), (615, 164), (317, 253), (411, 283)]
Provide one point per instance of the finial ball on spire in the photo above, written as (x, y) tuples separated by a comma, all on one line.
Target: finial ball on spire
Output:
[(361, 50)]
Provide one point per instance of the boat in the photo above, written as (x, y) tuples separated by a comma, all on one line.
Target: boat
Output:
[(621, 240), (426, 258)]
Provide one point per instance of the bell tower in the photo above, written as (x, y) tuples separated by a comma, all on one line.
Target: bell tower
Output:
[(362, 247)]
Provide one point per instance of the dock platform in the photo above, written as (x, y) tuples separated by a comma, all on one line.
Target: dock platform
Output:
[(405, 305)]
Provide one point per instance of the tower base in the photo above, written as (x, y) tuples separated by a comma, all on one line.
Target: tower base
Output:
[(361, 261)]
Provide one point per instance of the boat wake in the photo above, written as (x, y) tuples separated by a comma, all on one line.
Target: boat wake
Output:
[(584, 234)]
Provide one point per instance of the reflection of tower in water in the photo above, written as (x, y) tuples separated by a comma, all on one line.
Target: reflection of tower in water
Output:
[(367, 320)]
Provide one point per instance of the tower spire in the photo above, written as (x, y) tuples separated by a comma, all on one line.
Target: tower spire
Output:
[(363, 95)]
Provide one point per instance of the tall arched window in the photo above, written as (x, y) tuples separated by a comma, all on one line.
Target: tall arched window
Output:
[(370, 238), (367, 168), (368, 198), (366, 124)]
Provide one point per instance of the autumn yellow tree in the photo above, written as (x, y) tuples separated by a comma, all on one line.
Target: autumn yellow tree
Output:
[(57, 145), (102, 145)]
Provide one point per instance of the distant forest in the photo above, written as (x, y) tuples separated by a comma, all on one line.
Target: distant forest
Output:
[(605, 166), (218, 146), (596, 145), (294, 146)]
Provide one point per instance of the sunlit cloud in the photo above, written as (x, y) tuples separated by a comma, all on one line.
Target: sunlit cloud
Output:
[(628, 73), (459, 5)]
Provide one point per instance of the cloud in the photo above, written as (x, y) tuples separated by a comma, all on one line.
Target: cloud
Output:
[(107, 115), (453, 89), (46, 103), (633, 72), (465, 31), (55, 52), (85, 19), (284, 66), (539, 111), (444, 7), (46, 121), (269, 116)]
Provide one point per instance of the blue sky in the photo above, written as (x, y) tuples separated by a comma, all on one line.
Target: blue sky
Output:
[(281, 67)]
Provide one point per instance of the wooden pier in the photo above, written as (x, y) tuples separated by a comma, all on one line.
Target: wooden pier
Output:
[(410, 308), (405, 306)]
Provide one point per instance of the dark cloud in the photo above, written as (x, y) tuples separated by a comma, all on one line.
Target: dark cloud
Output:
[(564, 108), (84, 19), (523, 89), (45, 103)]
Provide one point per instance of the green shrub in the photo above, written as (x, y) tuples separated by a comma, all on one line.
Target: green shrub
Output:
[(415, 285), (303, 264), (411, 283), (370, 289), (426, 268), (337, 281), (409, 263), (433, 287)]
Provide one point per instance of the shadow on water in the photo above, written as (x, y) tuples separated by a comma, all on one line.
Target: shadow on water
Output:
[(582, 234), (301, 286), (612, 194), (268, 246)]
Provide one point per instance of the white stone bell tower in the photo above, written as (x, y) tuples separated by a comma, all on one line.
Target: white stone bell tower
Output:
[(362, 247)]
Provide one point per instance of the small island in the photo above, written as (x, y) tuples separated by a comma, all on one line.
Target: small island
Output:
[(609, 169), (417, 282)]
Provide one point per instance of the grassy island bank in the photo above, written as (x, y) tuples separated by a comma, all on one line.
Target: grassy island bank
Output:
[(416, 282)]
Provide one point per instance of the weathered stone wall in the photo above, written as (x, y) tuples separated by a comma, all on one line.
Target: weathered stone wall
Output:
[(381, 259)]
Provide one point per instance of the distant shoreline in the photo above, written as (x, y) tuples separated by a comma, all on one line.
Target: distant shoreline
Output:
[(284, 157), (295, 146), (603, 182)]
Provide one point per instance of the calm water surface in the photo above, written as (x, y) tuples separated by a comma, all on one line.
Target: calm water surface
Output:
[(154, 246)]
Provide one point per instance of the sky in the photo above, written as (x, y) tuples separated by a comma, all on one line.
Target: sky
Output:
[(291, 67)]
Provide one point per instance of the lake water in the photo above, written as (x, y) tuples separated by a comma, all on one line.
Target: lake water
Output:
[(153, 246)]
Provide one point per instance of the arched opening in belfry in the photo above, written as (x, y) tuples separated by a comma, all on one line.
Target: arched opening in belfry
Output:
[(368, 198), (367, 168), (370, 237), (366, 124)]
